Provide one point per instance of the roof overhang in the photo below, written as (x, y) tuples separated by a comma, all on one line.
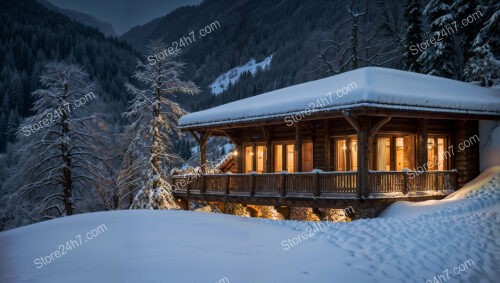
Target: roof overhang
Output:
[(378, 92)]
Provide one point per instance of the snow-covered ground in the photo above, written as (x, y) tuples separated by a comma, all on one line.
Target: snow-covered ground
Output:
[(221, 83), (410, 242)]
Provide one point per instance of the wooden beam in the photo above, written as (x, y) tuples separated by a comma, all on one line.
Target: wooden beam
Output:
[(378, 125), (351, 120), (283, 157), (327, 145), (239, 149), (254, 158), (298, 148), (362, 177), (269, 149), (422, 143)]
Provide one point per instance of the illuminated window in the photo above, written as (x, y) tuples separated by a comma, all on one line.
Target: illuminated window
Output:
[(278, 158), (353, 146), (290, 157), (400, 154), (436, 153), (384, 154), (248, 159), (261, 159), (341, 154), (346, 154), (395, 153)]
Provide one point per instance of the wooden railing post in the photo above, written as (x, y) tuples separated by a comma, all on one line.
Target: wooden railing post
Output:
[(283, 184), (227, 184), (202, 184), (188, 193), (436, 185), (455, 179), (405, 181), (317, 190), (252, 184)]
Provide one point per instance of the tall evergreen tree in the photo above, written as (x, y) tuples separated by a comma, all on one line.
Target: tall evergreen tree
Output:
[(56, 155), (155, 116), (464, 9), (439, 58), (413, 36), (484, 64)]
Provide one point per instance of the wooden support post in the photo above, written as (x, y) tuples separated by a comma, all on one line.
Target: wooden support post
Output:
[(393, 153), (269, 157), (317, 190), (254, 158), (348, 154), (328, 156), (202, 186), (267, 137), (298, 148), (422, 143), (226, 185), (283, 185), (202, 139), (405, 182), (252, 184), (366, 131), (188, 194), (362, 189), (240, 157), (283, 157)]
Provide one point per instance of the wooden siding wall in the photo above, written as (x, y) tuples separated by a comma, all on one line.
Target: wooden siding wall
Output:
[(466, 160)]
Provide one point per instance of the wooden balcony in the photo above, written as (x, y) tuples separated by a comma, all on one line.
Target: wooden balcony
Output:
[(321, 189)]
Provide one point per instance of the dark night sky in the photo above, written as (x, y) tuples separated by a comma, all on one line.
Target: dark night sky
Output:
[(124, 14)]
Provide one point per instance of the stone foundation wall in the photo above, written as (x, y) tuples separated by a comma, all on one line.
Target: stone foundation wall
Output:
[(291, 213)]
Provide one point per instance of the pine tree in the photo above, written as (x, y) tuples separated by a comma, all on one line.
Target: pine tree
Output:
[(462, 10), (155, 116), (413, 36), (56, 155), (3, 129), (438, 58), (484, 66)]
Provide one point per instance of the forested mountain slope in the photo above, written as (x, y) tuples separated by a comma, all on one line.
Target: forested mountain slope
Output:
[(31, 35)]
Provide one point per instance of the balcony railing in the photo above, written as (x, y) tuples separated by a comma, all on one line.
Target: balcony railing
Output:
[(319, 184)]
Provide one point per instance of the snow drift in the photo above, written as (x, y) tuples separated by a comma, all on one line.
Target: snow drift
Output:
[(410, 242)]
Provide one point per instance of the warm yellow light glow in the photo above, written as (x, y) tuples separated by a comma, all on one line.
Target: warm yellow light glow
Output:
[(235, 153)]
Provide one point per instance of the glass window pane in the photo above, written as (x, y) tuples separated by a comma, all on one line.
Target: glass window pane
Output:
[(261, 159), (440, 150), (431, 154), (384, 154), (248, 159), (354, 154), (341, 154), (400, 154), (278, 158), (290, 148)]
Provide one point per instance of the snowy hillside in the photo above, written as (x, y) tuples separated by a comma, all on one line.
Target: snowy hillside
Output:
[(221, 83), (409, 243)]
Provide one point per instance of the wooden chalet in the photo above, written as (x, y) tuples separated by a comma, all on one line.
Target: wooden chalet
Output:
[(372, 135)]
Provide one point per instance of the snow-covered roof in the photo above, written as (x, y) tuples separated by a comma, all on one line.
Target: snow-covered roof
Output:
[(365, 87)]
